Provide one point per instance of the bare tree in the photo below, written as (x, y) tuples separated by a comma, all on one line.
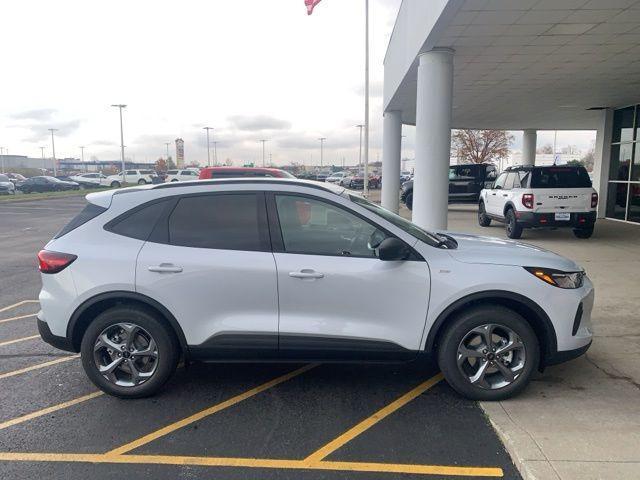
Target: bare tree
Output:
[(481, 146), (545, 149)]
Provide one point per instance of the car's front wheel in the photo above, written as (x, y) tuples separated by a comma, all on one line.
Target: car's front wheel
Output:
[(142, 181), (408, 200), (483, 219), (488, 353), (115, 184), (128, 352)]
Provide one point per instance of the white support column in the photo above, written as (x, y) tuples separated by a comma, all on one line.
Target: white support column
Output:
[(529, 141), (433, 138), (602, 159), (391, 151)]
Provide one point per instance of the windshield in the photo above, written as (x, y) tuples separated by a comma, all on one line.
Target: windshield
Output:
[(411, 228), (560, 177)]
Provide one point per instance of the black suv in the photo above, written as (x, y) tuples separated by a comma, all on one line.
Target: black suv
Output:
[(465, 183)]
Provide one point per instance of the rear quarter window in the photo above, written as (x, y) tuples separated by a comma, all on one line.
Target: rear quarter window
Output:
[(139, 222), (89, 212)]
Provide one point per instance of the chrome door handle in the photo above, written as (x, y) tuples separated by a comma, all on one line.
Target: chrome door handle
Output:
[(165, 268), (306, 274)]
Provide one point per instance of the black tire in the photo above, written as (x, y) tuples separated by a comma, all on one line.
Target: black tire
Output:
[(408, 200), (115, 185), (174, 180), (483, 219), (583, 232), (142, 181), (464, 323), (512, 227), (168, 350)]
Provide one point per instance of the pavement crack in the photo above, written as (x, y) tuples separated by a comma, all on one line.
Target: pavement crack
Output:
[(613, 376)]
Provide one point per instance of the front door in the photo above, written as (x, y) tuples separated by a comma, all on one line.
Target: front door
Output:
[(494, 203), (336, 298), (215, 272)]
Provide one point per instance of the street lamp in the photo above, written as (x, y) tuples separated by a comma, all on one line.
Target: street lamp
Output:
[(53, 150), (44, 163), (120, 106), (166, 144), (322, 139), (208, 146), (215, 152), (360, 151), (263, 142)]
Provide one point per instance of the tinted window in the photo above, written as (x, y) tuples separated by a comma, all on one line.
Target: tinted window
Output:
[(225, 174), (139, 222), (89, 212), (172, 172), (462, 172), (560, 177), (147, 172), (130, 172), (314, 227), (228, 222), (491, 174)]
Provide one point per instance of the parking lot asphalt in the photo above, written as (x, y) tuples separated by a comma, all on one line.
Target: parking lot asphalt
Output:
[(234, 421)]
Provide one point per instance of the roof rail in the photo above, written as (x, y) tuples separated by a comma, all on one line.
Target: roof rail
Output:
[(232, 181)]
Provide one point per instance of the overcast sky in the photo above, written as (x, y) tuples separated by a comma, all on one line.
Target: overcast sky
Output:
[(252, 69)]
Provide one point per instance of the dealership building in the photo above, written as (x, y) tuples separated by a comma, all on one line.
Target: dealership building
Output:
[(514, 65)]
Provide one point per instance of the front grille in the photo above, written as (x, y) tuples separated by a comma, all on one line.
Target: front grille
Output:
[(577, 320)]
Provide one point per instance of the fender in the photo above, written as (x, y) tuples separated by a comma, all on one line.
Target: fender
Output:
[(127, 295), (545, 326), (507, 206)]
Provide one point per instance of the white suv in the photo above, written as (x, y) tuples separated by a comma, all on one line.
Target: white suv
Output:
[(540, 197), (181, 175), (141, 177), (268, 269)]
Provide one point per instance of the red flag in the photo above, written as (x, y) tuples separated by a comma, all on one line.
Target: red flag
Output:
[(310, 4)]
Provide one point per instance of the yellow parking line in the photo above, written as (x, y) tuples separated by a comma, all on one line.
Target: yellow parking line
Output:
[(37, 366), (367, 423), (45, 411), (17, 340), (16, 305), (209, 411), (254, 463), (5, 320)]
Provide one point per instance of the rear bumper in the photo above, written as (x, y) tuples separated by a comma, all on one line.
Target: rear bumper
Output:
[(62, 343), (547, 220)]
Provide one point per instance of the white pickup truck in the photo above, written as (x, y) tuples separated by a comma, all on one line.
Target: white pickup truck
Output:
[(540, 197)]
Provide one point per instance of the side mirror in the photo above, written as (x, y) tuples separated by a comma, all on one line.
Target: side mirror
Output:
[(496, 187), (391, 249)]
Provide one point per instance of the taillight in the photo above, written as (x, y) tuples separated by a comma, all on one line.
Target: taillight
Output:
[(54, 262), (594, 200), (527, 200)]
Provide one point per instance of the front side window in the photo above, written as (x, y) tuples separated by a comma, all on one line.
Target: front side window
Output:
[(500, 181), (315, 227), (225, 221)]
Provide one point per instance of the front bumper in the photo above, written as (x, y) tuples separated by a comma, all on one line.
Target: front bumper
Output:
[(566, 355), (547, 220)]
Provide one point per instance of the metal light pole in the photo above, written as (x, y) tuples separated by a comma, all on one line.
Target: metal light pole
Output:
[(44, 163), (263, 142), (215, 152), (208, 146), (322, 139), (120, 106), (366, 101), (360, 151), (2, 156), (53, 151), (166, 144)]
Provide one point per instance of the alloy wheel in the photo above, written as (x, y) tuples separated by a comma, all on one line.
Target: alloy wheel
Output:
[(125, 354), (491, 356)]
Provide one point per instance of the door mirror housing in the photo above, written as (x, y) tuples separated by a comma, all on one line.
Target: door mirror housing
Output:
[(391, 249)]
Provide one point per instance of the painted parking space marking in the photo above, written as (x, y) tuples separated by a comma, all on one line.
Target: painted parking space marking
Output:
[(38, 366), (367, 423), (18, 340), (20, 317), (443, 470), (16, 305), (208, 411), (48, 410)]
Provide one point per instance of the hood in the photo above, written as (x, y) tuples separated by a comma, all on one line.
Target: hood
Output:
[(496, 251)]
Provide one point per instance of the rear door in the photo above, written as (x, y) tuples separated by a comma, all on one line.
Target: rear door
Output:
[(209, 261), (336, 298)]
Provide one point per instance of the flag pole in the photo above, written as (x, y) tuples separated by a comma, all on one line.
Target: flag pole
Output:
[(366, 100)]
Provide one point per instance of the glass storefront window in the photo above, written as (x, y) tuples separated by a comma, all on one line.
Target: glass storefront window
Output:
[(620, 161), (635, 167), (617, 200), (634, 203), (623, 123)]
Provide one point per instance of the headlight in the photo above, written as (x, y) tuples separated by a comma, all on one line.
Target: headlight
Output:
[(558, 278)]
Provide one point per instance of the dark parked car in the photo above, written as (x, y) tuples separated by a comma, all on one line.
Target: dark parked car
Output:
[(46, 184), (356, 181), (465, 183)]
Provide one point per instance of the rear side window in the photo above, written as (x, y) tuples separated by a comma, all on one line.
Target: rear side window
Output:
[(139, 222), (89, 212), (172, 172), (560, 177), (228, 221)]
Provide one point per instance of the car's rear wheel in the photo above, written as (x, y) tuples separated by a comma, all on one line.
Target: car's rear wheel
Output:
[(483, 219), (128, 352), (512, 227), (583, 232), (488, 353), (142, 181), (408, 200), (115, 184)]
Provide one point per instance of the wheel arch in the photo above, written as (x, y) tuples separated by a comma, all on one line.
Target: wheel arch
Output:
[(508, 206), (82, 316), (527, 308)]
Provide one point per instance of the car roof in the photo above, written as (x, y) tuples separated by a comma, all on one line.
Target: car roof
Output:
[(252, 180), (244, 169)]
